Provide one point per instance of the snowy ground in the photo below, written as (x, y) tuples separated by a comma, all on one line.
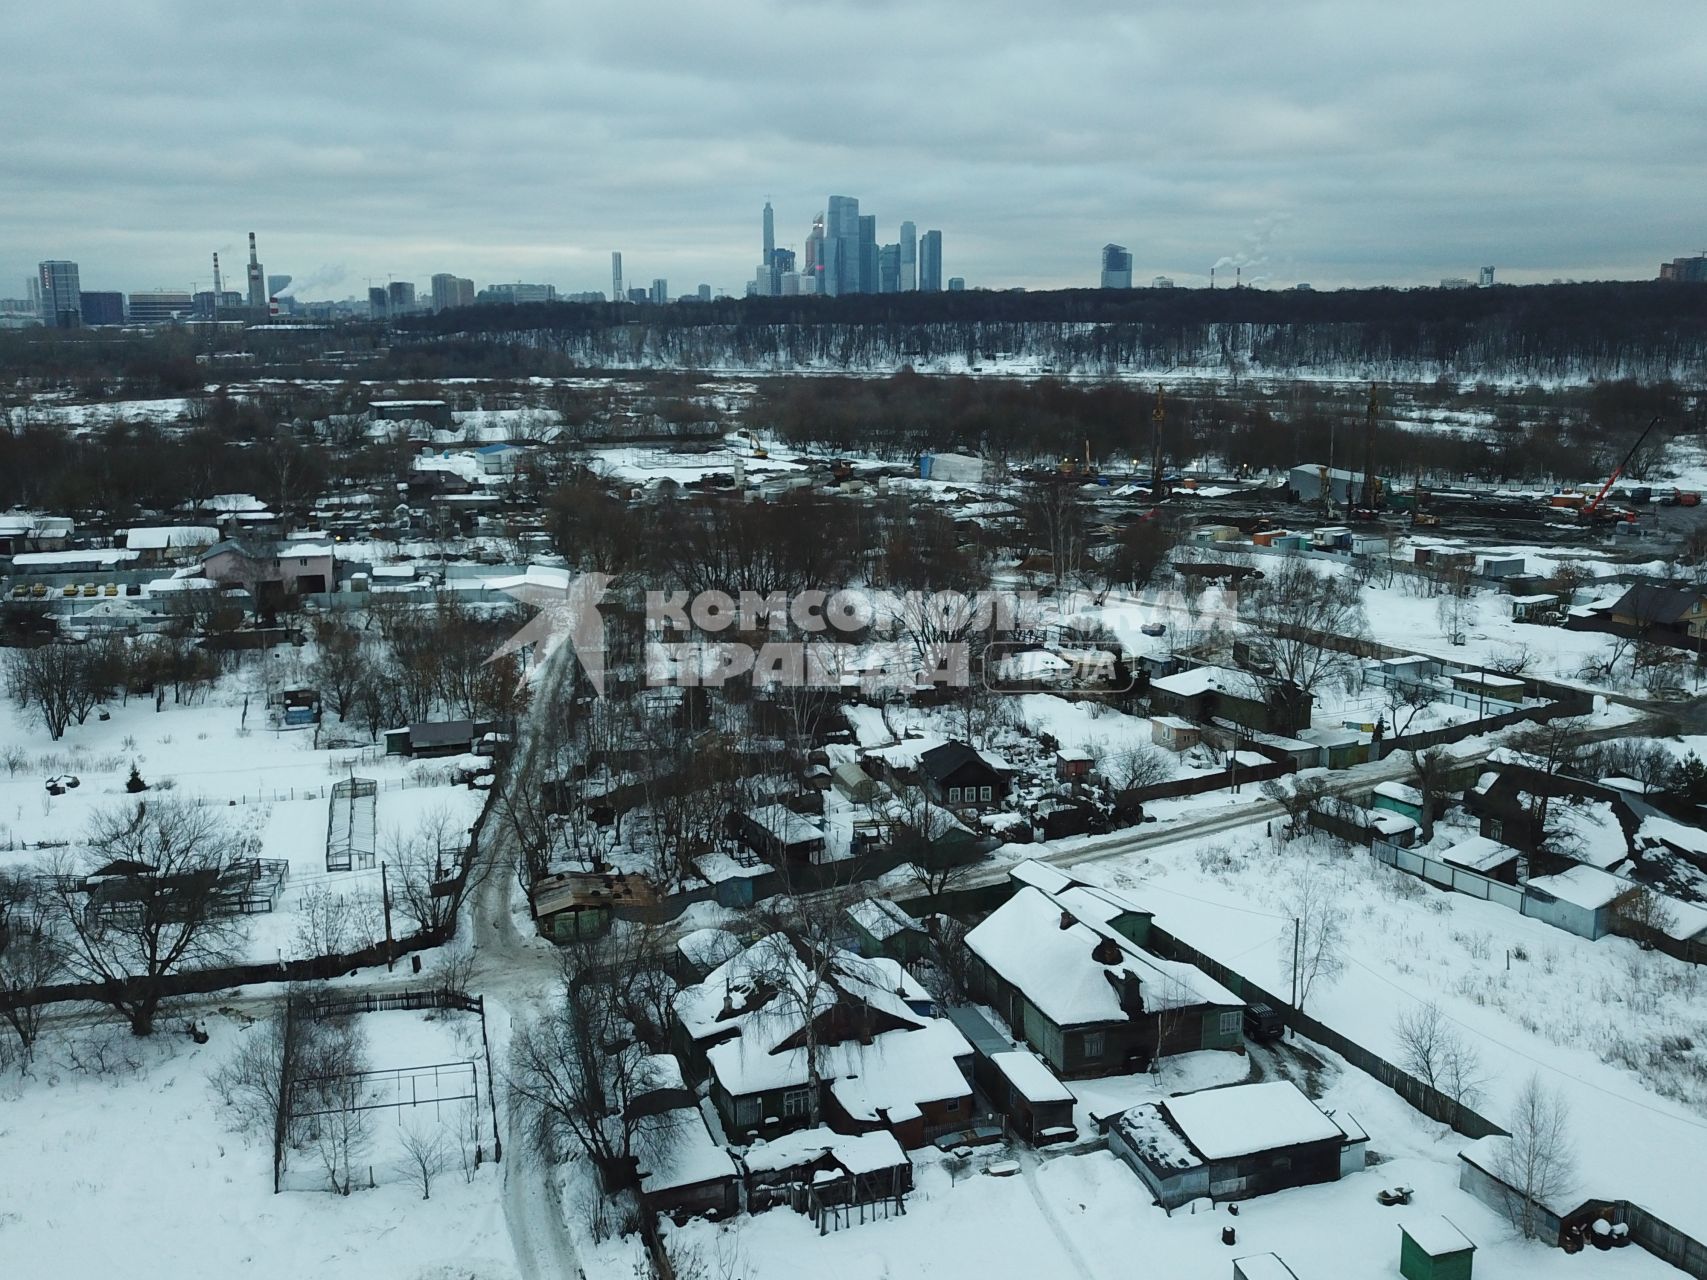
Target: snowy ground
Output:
[(139, 1172), (271, 785), (1622, 1032)]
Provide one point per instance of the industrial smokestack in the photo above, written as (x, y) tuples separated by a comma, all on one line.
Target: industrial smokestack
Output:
[(257, 284), (1211, 277), (217, 286)]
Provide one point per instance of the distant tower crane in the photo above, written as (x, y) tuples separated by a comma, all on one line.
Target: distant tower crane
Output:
[(1371, 496), (1158, 415)]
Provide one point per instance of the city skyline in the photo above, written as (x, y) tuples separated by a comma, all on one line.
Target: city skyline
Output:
[(1340, 146)]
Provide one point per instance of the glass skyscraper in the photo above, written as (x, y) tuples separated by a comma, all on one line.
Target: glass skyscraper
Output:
[(930, 262)]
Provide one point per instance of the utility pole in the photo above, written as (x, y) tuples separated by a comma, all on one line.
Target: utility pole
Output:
[(1371, 486), (385, 895)]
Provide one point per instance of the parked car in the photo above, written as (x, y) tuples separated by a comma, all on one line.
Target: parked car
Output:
[(1153, 628), (1263, 1024)]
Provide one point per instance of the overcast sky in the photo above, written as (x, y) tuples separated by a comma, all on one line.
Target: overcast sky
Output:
[(1338, 143)]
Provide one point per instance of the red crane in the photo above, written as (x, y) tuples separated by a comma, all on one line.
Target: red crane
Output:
[(1592, 508)]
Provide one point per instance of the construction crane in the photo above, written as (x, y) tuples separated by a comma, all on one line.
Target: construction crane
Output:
[(1158, 415), (1589, 512), (1371, 496)]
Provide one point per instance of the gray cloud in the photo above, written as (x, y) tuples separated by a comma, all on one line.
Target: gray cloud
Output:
[(1331, 141)]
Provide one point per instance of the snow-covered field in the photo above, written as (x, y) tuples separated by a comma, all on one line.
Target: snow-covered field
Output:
[(270, 785), (1622, 1032), (140, 1172)]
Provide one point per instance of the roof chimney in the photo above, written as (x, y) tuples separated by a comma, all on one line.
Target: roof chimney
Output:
[(1067, 921), (1107, 951)]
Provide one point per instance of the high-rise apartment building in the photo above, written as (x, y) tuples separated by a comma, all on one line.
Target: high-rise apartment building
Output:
[(452, 291), (1485, 279), (376, 305), (909, 257), (660, 291), (616, 293), (930, 262), (61, 295), (1116, 267), (889, 269), (957, 284), (400, 298)]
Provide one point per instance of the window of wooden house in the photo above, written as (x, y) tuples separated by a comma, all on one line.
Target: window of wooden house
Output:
[(746, 1113), (1230, 1023), (985, 793), (954, 795), (794, 1102), (1091, 1044)]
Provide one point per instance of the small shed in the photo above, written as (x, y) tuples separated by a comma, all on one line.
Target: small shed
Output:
[(1396, 797), (1174, 733), (1534, 607), (883, 929), (1262, 1266), (581, 904), (1578, 900), (1037, 1105), (1486, 684), (853, 783), (1431, 1248), (1072, 765)]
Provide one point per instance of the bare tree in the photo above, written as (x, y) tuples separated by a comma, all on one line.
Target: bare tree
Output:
[(1296, 796), (343, 663), (1054, 514), (1313, 950), (1430, 771), (424, 864), (31, 956), (574, 1072), (1537, 1162), (334, 922), (47, 678), (327, 1100), (1456, 608), (799, 959), (1287, 617), (1433, 1049), (1554, 749), (424, 1156), (1638, 913), (1136, 766), (164, 903)]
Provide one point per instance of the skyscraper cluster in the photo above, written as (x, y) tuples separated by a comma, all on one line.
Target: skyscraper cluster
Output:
[(842, 256)]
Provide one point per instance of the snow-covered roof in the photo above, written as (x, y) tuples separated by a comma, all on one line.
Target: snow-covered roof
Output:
[(1264, 1266), (1223, 1123), (892, 1078), (1586, 887), (91, 555), (166, 537), (1478, 853), (1035, 1082), (1400, 792), (857, 1153), (1689, 838), (707, 948), (882, 919), (1023, 941), (1040, 875), (1199, 680), (787, 826), (686, 1154), (1435, 1236)]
